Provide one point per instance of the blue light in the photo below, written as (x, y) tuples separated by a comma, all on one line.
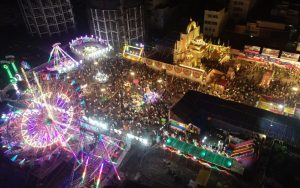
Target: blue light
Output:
[(13, 159)]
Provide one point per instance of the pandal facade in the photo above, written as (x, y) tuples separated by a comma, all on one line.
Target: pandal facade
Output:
[(191, 48)]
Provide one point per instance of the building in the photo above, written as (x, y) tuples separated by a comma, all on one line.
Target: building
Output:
[(117, 21), (288, 11), (214, 20), (204, 110), (47, 17), (264, 29), (239, 9)]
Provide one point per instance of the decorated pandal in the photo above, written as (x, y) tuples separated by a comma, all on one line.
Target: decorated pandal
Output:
[(191, 48), (89, 48)]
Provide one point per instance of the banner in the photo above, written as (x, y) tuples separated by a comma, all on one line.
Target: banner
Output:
[(289, 56), (270, 52), (252, 49)]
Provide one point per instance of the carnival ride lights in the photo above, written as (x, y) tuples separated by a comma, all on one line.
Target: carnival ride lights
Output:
[(101, 77), (12, 77), (89, 48), (95, 123), (46, 125), (60, 61), (102, 153), (133, 52)]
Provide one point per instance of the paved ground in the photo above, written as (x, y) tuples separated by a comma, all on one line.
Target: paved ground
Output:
[(149, 167)]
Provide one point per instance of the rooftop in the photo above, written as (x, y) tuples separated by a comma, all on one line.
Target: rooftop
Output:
[(195, 107)]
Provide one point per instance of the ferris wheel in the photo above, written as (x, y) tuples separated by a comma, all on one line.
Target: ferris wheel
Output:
[(48, 123)]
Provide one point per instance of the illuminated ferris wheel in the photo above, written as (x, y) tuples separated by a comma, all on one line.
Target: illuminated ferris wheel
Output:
[(47, 119), (48, 124)]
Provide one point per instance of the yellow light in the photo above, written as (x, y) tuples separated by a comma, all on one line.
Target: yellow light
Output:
[(43, 96), (295, 88)]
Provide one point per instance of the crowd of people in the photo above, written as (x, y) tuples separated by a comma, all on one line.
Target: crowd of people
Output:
[(121, 103), (115, 101)]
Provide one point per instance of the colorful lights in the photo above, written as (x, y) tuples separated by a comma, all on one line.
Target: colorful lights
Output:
[(61, 61), (11, 77), (95, 123), (202, 153), (14, 67), (133, 52), (191, 151), (178, 152), (89, 48), (85, 169), (38, 134), (115, 169), (101, 77), (13, 159), (151, 97), (228, 163), (99, 176)]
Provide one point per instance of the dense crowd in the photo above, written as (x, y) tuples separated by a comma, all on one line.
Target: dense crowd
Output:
[(115, 101), (121, 100)]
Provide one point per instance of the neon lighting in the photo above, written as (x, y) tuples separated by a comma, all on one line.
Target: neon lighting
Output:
[(193, 151), (99, 176), (13, 159), (60, 60), (14, 67), (39, 131), (116, 172), (84, 172), (43, 96), (89, 48), (22, 162), (12, 79)]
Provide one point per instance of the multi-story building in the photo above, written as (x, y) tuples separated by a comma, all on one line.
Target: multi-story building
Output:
[(263, 29), (214, 20), (239, 9), (289, 11), (117, 21), (47, 17)]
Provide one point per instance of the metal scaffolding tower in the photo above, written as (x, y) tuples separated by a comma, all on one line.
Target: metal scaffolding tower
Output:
[(119, 24), (47, 17)]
